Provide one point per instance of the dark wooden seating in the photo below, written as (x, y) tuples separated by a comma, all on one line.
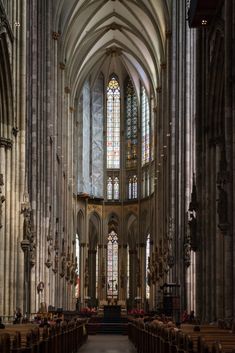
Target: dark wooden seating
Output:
[(163, 337), (29, 338)]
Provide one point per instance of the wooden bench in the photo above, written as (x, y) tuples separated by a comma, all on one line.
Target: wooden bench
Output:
[(29, 338)]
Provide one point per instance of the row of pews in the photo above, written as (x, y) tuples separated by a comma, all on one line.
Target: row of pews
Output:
[(159, 337), (30, 338)]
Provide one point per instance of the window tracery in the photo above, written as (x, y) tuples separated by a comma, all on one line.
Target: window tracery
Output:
[(112, 265), (113, 124)]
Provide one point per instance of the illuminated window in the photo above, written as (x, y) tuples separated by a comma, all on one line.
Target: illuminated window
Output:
[(131, 125), (109, 188), (77, 289), (132, 187), (145, 125), (113, 124), (147, 266), (116, 188), (112, 265)]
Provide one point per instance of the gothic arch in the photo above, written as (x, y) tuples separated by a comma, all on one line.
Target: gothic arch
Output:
[(80, 226), (131, 230), (144, 225), (94, 230), (6, 97)]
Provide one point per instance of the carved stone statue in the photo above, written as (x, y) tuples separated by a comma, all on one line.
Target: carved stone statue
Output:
[(33, 254), (48, 263), (187, 254), (27, 224), (63, 267)]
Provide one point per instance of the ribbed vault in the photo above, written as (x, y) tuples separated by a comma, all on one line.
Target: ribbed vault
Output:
[(99, 34)]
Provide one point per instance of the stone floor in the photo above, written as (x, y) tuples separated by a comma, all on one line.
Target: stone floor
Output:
[(107, 344)]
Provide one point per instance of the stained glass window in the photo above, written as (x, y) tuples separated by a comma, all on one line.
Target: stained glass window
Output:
[(109, 188), (147, 183), (77, 289), (113, 124), (147, 266), (132, 187), (112, 265), (131, 125), (152, 130), (145, 125), (116, 188)]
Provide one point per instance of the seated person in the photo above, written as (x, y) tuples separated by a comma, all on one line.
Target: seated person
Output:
[(17, 316), (44, 323)]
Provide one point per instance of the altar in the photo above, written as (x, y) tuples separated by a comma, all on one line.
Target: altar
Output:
[(112, 313)]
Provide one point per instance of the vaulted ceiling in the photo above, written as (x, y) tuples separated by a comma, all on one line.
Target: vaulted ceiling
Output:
[(126, 36)]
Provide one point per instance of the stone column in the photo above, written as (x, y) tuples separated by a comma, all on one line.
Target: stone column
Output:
[(92, 275), (229, 111)]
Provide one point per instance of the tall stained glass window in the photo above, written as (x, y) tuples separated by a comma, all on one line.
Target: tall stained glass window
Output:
[(132, 187), (112, 265), (109, 188), (131, 125), (113, 124), (147, 266), (116, 188), (77, 287), (145, 126)]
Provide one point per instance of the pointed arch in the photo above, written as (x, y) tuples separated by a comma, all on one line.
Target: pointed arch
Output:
[(6, 96), (80, 225), (94, 230)]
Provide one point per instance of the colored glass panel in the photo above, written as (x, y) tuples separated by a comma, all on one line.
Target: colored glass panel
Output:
[(112, 265), (145, 126), (131, 125), (147, 266), (113, 124)]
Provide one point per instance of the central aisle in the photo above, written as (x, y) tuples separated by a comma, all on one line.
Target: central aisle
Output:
[(107, 344)]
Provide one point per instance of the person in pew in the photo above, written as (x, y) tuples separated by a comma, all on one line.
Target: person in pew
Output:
[(1, 324), (44, 323), (191, 317), (185, 317), (17, 316)]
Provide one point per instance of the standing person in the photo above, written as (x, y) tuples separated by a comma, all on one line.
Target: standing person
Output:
[(191, 316)]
